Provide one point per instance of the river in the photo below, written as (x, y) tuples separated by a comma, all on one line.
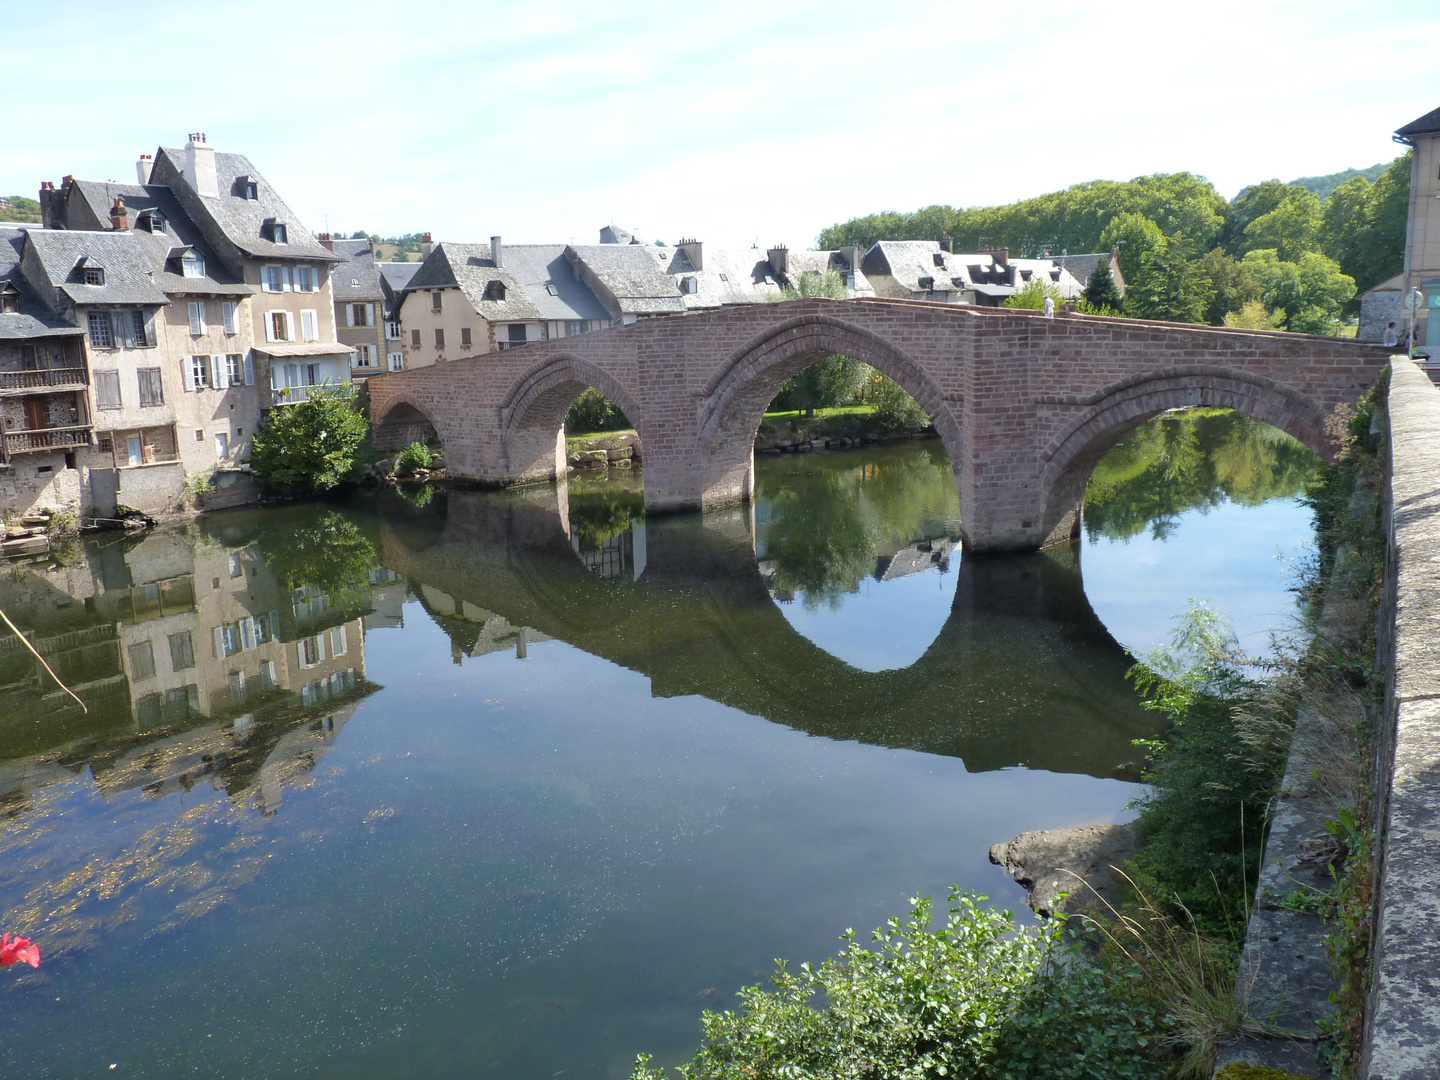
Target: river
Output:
[(516, 784)]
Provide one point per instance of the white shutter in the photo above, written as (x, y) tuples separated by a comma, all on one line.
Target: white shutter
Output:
[(269, 326), (284, 279), (308, 326), (220, 642), (227, 316), (219, 372), (369, 314), (249, 370), (187, 371), (349, 314), (289, 326)]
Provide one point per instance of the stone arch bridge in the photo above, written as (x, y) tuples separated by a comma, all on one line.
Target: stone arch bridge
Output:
[(1024, 405)]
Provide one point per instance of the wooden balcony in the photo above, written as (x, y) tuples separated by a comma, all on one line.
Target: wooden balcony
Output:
[(21, 382), (56, 438)]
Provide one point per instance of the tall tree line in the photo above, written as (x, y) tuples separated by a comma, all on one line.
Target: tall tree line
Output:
[(1276, 256)]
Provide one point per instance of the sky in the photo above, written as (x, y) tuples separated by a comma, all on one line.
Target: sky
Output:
[(734, 123)]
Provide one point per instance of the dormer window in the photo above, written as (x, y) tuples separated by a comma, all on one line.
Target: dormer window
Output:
[(247, 188), (93, 275), (688, 285), (274, 231), (495, 291), (927, 283), (939, 259), (9, 299), (153, 220), (191, 264)]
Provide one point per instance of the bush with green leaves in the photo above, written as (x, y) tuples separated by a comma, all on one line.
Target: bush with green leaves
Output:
[(980, 997), (593, 411), (895, 409), (312, 445), (415, 456)]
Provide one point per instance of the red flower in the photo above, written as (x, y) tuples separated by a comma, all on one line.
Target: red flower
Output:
[(19, 949)]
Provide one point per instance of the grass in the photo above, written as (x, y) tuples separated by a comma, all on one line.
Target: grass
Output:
[(573, 441), (839, 410)]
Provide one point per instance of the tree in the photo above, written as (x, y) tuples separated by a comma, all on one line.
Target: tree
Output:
[(1253, 316), (1232, 286), (1168, 285), (812, 285), (1310, 293), (593, 411), (1032, 295), (830, 382), (1134, 235), (312, 445), (1363, 225), (1100, 289), (1290, 228), (894, 408)]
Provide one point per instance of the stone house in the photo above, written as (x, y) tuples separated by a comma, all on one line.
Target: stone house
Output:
[(1422, 235), (359, 304), (928, 270), (44, 376), (394, 277)]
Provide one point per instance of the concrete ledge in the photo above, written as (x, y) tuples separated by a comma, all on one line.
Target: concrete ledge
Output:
[(1402, 1033)]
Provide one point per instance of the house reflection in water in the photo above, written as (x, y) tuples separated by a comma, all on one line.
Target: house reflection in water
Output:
[(195, 661)]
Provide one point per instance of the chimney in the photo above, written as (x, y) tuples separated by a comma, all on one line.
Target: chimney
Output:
[(143, 167), (947, 244), (426, 246), (1000, 254), (852, 254), (693, 250), (119, 216), (200, 166), (779, 259), (496, 252), (326, 241)]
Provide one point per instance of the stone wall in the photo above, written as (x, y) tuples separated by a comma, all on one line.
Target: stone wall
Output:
[(23, 487), (1402, 1035), (152, 488)]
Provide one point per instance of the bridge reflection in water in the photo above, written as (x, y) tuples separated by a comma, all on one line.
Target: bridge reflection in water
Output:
[(1021, 674)]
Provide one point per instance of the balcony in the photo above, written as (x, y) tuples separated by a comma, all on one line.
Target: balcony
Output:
[(57, 438), (501, 346), (67, 378), (293, 395)]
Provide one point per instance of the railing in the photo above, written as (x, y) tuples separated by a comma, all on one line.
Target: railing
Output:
[(503, 345), (293, 395), (61, 438), (44, 378)]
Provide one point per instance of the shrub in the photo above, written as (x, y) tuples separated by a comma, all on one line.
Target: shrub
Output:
[(314, 444), (894, 408), (979, 998), (415, 456), (593, 411)]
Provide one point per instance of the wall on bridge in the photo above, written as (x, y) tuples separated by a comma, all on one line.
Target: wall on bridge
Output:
[(1025, 405)]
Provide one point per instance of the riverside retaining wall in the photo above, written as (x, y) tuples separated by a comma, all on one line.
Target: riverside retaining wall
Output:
[(1402, 1031)]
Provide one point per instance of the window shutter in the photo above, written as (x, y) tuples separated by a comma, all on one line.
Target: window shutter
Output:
[(249, 370), (349, 314), (369, 314), (187, 370), (274, 625), (149, 322), (289, 326), (219, 373), (269, 326), (219, 642), (284, 279)]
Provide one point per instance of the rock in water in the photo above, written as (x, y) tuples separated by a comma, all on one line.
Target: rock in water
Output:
[(1079, 861)]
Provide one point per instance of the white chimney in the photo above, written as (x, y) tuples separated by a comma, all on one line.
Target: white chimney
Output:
[(200, 166), (495, 252), (143, 167)]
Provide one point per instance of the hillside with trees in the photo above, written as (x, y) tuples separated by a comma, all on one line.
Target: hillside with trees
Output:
[(1277, 256), (20, 209)]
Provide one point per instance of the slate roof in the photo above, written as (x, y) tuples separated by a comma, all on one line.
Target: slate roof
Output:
[(906, 262), (179, 231), (549, 281), (128, 273), (357, 278), (630, 279), (470, 268), (802, 262), (1080, 267), (1429, 124), (230, 219), (34, 319), (394, 277)]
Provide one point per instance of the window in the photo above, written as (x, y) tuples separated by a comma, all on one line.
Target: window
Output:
[(278, 233), (392, 331), (359, 314), (236, 568), (395, 361), (305, 279), (310, 651), (436, 303), (106, 444), (9, 303), (252, 189), (439, 338), (142, 660), (465, 337), (107, 389), (552, 290), (274, 279), (196, 370), (415, 339), (267, 674), (517, 333), (364, 356), (235, 370), (137, 329), (100, 336), (199, 434), (237, 686), (191, 264), (197, 317), (280, 326), (151, 392), (227, 316), (222, 446), (156, 221), (182, 651), (938, 258), (94, 275), (688, 285), (337, 641), (309, 326), (574, 326), (494, 291)]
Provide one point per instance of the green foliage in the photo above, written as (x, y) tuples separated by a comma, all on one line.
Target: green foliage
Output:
[(1032, 296), (1134, 235), (1168, 285), (1363, 225), (895, 410), (1232, 286), (330, 554), (1310, 292), (415, 456), (1288, 227), (977, 998), (199, 484), (1240, 1070), (1101, 292), (21, 209), (836, 380), (1181, 461), (813, 285), (1253, 316), (1323, 186), (593, 411), (312, 445)]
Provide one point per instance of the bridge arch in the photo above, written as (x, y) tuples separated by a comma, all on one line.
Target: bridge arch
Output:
[(734, 399), (1116, 410), (404, 421), (532, 413)]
